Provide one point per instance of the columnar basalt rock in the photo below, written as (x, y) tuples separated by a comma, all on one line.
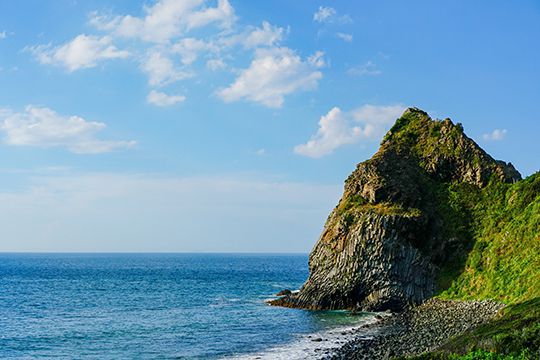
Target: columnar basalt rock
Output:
[(385, 242)]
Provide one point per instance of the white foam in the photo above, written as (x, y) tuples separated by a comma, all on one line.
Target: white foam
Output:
[(305, 346), (274, 297)]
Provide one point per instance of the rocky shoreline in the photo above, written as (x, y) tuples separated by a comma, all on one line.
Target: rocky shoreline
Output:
[(416, 330)]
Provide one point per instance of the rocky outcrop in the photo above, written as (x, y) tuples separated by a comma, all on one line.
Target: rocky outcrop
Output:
[(386, 241)]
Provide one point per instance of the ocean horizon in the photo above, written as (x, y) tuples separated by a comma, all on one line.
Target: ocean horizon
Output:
[(159, 305)]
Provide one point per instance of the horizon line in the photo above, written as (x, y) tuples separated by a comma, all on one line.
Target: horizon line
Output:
[(154, 252)]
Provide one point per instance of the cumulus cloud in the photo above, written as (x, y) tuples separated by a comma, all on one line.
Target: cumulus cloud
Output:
[(273, 74), (161, 70), (495, 135), (223, 14), (367, 69), (166, 19), (267, 35), (338, 128), (84, 51), (168, 49), (162, 99), (42, 127), (190, 48), (345, 37)]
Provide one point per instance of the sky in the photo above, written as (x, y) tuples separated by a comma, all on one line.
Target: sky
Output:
[(231, 125)]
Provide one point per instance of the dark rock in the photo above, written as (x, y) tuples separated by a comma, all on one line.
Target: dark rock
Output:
[(284, 292)]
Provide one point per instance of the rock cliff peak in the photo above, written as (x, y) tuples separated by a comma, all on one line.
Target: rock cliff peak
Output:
[(385, 243)]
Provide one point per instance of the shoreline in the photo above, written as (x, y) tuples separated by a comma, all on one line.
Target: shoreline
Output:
[(314, 345), (417, 330)]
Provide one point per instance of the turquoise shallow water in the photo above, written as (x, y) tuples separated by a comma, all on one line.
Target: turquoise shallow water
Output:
[(163, 306)]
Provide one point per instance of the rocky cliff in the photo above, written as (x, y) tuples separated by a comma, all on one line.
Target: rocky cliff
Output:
[(400, 232)]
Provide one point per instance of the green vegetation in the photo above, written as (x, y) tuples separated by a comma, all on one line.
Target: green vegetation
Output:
[(476, 355), (495, 225), (417, 132), (504, 263)]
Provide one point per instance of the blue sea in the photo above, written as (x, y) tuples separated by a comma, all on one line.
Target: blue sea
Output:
[(159, 306)]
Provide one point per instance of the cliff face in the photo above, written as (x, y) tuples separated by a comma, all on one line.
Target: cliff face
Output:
[(398, 226)]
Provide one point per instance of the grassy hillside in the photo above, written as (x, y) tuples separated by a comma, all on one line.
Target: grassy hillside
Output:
[(504, 263), (502, 223)]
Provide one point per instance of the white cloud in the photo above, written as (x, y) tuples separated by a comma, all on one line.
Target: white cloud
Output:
[(273, 74), (42, 127), (367, 69), (317, 60), (3, 34), (324, 14), (84, 51), (252, 37), (190, 48), (168, 23), (167, 50), (495, 135), (345, 37), (268, 35), (162, 99), (166, 19), (223, 14), (161, 70), (338, 128), (330, 15)]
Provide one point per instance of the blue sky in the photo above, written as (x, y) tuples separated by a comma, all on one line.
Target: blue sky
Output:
[(196, 125)]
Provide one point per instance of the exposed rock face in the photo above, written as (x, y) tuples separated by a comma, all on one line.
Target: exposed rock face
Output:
[(384, 243)]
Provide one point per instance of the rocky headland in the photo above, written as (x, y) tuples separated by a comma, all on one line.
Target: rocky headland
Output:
[(430, 214)]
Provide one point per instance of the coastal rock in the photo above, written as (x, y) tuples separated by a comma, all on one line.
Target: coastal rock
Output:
[(417, 330), (284, 292), (390, 235)]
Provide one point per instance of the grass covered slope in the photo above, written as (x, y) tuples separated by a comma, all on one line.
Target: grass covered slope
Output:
[(504, 263)]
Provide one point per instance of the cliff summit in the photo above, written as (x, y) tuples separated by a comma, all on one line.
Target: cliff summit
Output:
[(406, 222)]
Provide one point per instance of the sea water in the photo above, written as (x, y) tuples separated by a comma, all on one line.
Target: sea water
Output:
[(159, 306)]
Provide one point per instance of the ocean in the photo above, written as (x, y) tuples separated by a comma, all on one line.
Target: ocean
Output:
[(159, 306)]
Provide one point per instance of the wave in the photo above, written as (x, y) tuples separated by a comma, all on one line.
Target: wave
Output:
[(314, 345)]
